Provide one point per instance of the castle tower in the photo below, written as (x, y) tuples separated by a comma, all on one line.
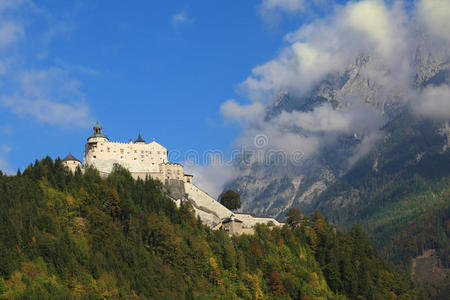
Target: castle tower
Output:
[(71, 163), (139, 139), (97, 135), (97, 138)]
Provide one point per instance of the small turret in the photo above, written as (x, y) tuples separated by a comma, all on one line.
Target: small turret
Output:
[(71, 163), (139, 139), (97, 135)]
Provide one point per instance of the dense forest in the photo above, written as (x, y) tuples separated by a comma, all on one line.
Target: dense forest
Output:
[(65, 236), (400, 194)]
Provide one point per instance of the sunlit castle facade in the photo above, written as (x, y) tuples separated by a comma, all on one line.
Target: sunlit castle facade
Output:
[(140, 158)]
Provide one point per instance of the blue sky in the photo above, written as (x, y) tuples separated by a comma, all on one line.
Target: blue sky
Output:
[(161, 67), (197, 76)]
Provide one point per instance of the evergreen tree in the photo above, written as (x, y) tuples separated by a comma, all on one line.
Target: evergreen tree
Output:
[(230, 199)]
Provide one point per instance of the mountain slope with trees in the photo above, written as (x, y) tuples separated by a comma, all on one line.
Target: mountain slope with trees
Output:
[(78, 236), (399, 193)]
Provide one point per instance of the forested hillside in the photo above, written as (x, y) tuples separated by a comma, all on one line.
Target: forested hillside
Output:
[(65, 236), (399, 193)]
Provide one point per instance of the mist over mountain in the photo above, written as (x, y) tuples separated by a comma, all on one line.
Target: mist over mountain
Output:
[(323, 102)]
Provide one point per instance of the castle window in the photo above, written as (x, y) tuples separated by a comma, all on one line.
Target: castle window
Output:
[(95, 156), (107, 149), (135, 158), (121, 157), (121, 151), (101, 150), (159, 152), (135, 151), (142, 156)]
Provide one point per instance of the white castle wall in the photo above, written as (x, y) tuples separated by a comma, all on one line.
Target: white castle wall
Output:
[(140, 159), (136, 157), (250, 221), (203, 200), (207, 218)]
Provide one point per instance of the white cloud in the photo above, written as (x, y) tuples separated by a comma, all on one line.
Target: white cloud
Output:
[(435, 14), (434, 102), (181, 18), (306, 132), (330, 44), (372, 19), (232, 110), (50, 112), (49, 96), (212, 176)]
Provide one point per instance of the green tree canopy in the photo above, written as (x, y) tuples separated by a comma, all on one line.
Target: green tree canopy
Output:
[(231, 199), (294, 216)]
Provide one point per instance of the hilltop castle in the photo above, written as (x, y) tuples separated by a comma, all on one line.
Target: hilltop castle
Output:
[(151, 160)]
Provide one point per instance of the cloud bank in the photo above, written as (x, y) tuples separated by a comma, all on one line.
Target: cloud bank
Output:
[(385, 30)]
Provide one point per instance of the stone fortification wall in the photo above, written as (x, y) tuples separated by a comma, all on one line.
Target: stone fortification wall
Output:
[(175, 188), (136, 157), (214, 212), (203, 200), (250, 221), (207, 218)]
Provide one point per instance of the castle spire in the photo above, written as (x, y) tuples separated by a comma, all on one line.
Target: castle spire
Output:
[(139, 139)]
